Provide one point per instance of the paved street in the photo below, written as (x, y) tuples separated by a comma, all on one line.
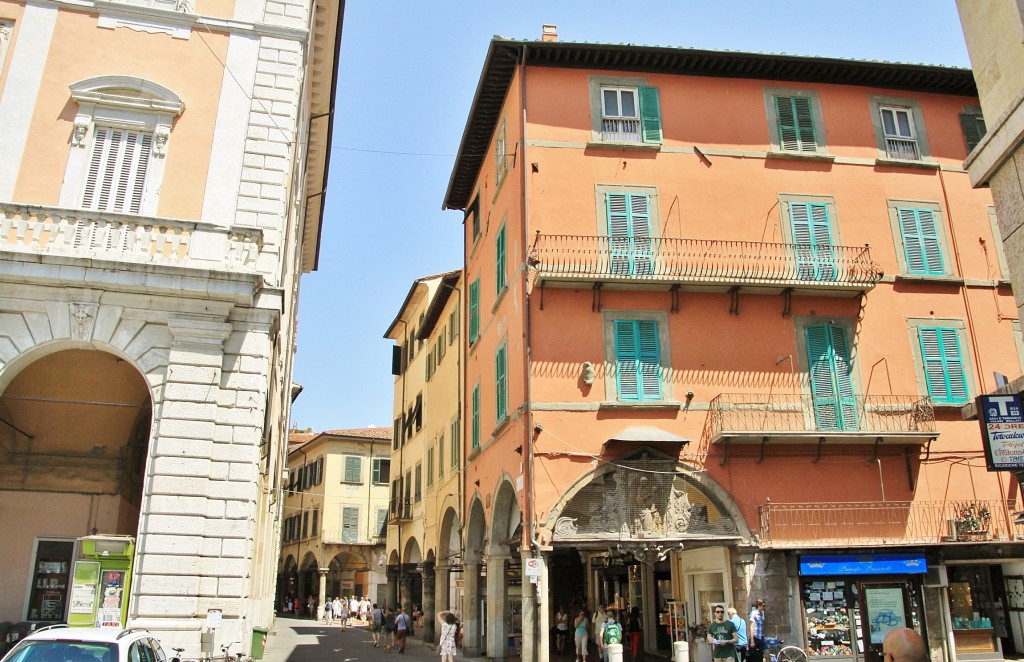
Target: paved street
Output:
[(302, 640)]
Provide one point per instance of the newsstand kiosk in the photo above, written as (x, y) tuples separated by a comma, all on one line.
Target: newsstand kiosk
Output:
[(101, 581)]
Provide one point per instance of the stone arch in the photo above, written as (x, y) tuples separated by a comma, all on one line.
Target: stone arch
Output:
[(289, 563), (449, 545), (412, 553), (505, 518), (476, 532), (646, 495), (393, 558), (309, 560)]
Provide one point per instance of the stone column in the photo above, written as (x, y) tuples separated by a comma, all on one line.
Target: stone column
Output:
[(543, 610), (322, 592), (429, 615), (530, 626), (497, 605), (405, 593), (471, 615), (442, 593), (392, 595)]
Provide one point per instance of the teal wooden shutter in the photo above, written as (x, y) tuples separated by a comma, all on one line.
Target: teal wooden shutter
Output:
[(831, 377), (921, 245), (476, 416), (499, 260), (500, 386), (812, 239), (474, 309), (349, 524), (629, 234), (637, 360), (796, 124), (973, 126), (352, 469), (650, 115), (943, 364)]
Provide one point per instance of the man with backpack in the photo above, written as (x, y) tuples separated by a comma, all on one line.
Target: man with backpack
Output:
[(611, 633), (402, 627), (389, 629), (376, 624)]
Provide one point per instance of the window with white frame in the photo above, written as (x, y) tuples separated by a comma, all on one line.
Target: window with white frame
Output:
[(381, 471), (899, 129), (500, 155), (120, 136), (625, 110)]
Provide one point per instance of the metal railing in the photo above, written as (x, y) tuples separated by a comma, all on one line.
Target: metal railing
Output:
[(703, 260), (790, 412), (334, 537), (792, 525), (902, 148), (621, 130), (127, 238)]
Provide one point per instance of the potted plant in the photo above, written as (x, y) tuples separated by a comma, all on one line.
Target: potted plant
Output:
[(972, 520)]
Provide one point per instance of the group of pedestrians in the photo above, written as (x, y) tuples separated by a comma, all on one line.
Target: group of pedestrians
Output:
[(604, 628)]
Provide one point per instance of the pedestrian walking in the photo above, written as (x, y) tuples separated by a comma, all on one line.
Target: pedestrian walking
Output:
[(389, 629), (582, 634), (343, 613), (328, 611), (722, 635), (634, 627), (755, 638), (402, 626), (741, 633), (446, 640), (376, 624)]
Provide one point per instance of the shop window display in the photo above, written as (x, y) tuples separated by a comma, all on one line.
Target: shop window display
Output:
[(829, 618), (971, 606)]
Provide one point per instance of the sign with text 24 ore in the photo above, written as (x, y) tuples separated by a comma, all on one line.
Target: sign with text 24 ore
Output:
[(1002, 431)]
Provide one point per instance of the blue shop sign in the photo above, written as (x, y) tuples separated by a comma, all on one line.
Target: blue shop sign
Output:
[(864, 564)]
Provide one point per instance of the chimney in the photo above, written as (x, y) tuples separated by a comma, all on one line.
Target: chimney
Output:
[(549, 32)]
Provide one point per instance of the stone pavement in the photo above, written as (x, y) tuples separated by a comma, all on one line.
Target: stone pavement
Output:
[(304, 640)]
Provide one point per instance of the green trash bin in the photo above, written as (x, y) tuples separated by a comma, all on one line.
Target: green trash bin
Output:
[(259, 643)]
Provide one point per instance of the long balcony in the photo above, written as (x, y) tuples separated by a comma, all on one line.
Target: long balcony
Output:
[(690, 264), (127, 238), (878, 523), (804, 418)]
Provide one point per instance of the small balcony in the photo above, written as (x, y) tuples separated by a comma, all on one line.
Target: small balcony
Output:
[(345, 538), (903, 149), (804, 418), (878, 523), (695, 264), (127, 238)]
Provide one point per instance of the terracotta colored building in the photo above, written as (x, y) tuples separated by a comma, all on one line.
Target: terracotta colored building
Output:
[(161, 193), (722, 311)]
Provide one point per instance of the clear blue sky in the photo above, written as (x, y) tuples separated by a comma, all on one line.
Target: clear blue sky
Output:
[(408, 72)]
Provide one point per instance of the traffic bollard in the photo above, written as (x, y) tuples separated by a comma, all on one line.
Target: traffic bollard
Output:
[(680, 652), (614, 652)]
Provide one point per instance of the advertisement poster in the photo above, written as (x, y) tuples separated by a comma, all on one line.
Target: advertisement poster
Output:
[(1002, 431), (111, 596), (885, 610)]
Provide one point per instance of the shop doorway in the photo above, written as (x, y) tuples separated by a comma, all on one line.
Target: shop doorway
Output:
[(75, 428), (568, 585)]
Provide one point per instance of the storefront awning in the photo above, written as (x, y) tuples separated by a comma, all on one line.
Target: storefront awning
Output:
[(863, 564)]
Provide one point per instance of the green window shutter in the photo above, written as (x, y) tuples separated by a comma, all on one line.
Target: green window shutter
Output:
[(476, 416), (349, 524), (650, 115), (973, 126), (629, 234), (831, 377), (638, 360), (380, 527), (812, 239), (796, 124), (352, 469), (500, 384), (921, 245), (943, 364), (430, 466), (499, 260), (454, 459), (440, 456), (474, 310)]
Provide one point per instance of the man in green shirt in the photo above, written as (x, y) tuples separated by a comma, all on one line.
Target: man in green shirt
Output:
[(722, 636)]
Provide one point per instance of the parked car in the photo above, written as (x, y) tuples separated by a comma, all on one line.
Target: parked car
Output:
[(60, 643)]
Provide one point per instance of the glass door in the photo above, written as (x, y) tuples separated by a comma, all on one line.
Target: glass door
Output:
[(48, 601)]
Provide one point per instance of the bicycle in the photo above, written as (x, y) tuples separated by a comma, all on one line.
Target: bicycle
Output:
[(773, 647), (226, 653)]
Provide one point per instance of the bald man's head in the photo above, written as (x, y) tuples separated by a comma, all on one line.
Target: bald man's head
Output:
[(905, 645)]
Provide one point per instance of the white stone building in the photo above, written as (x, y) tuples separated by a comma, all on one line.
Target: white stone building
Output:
[(161, 192)]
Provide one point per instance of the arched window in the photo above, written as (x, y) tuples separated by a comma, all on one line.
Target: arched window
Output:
[(120, 137)]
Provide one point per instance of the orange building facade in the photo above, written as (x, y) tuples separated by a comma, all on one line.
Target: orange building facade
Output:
[(722, 313)]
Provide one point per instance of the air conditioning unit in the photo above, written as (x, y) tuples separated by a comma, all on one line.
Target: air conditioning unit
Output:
[(936, 577)]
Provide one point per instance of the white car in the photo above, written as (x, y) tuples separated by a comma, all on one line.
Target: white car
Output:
[(60, 643)]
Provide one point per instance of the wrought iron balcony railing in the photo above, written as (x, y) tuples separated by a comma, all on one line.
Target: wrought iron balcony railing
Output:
[(703, 262), (127, 238), (753, 416), (876, 523), (347, 538)]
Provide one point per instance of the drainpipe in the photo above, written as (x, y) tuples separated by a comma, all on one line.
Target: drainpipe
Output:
[(399, 510)]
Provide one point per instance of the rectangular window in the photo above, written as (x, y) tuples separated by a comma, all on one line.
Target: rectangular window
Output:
[(637, 360), (419, 482), (305, 524), (407, 504), (430, 465), (630, 114), (474, 310), (973, 126), (921, 241), (380, 522), (899, 132), (499, 260), (440, 456), (500, 384), (629, 234), (474, 211), (831, 377), (349, 524), (500, 156), (453, 324), (397, 436), (353, 469), (943, 364), (454, 454), (381, 471), (810, 229), (316, 522), (116, 178), (796, 123), (476, 417)]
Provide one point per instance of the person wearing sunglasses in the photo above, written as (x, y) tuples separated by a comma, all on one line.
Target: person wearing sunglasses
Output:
[(904, 645), (722, 636)]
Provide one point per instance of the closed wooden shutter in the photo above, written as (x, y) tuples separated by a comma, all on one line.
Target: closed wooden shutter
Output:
[(796, 124), (637, 360), (116, 179), (943, 364), (500, 386), (350, 524), (650, 115), (921, 245)]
